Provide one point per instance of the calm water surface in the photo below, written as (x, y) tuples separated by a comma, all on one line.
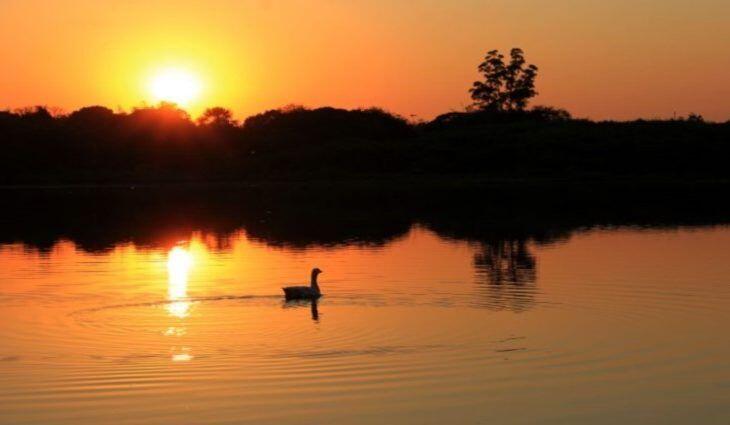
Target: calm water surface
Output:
[(603, 327)]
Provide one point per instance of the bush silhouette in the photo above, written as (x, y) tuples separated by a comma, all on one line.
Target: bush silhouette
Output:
[(326, 123), (216, 117), (162, 144)]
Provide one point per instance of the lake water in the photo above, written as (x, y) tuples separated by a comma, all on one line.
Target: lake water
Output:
[(600, 326)]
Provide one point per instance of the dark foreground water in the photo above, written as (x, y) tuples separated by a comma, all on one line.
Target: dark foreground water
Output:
[(430, 316)]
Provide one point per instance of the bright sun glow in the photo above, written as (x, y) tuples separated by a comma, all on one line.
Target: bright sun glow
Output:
[(175, 85)]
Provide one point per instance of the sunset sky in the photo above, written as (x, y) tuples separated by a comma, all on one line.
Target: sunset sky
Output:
[(601, 59)]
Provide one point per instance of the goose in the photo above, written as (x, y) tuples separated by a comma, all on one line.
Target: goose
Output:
[(310, 292)]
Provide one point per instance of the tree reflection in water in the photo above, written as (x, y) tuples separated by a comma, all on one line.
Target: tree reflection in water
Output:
[(502, 221), (508, 270)]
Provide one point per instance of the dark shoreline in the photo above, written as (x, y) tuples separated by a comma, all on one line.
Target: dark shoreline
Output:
[(161, 146)]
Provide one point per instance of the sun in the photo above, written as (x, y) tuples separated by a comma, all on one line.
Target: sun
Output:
[(175, 85)]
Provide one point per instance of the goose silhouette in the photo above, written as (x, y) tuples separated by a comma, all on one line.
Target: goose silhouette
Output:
[(310, 292)]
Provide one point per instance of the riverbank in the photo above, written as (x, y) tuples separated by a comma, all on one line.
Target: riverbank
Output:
[(331, 213)]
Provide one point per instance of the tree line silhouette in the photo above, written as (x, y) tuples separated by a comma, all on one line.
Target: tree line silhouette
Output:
[(498, 137)]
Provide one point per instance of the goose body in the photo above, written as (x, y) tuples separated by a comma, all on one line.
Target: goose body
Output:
[(310, 292), (300, 293)]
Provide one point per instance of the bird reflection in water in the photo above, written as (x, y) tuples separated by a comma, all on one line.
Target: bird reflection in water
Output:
[(303, 303), (315, 312)]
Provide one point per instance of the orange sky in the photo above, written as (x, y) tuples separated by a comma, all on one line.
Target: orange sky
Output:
[(601, 59)]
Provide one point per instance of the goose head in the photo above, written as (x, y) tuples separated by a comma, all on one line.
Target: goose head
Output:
[(315, 272)]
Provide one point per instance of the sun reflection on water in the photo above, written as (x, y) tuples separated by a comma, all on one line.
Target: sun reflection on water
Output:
[(181, 357), (179, 262)]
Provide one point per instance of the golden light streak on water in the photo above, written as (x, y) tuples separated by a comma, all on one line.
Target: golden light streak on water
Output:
[(179, 262)]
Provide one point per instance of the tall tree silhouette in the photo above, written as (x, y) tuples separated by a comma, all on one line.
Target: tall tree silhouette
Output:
[(506, 87)]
